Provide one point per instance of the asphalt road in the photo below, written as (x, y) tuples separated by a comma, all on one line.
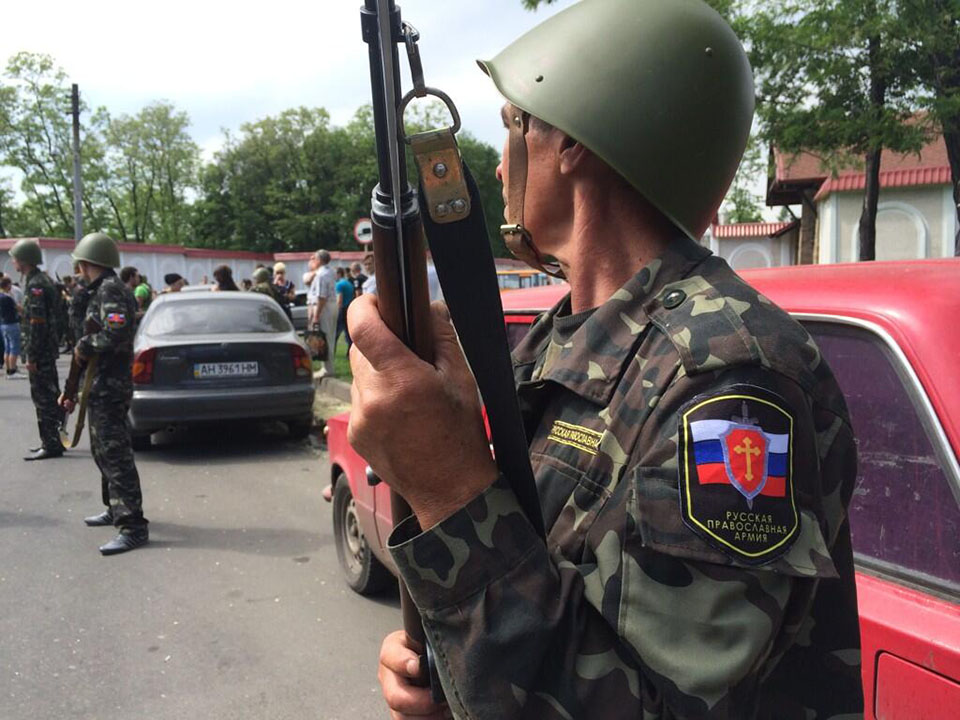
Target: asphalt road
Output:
[(234, 610)]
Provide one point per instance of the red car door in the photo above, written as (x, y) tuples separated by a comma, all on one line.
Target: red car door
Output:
[(905, 523)]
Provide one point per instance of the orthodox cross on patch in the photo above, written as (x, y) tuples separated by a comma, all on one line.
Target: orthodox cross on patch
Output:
[(744, 446)]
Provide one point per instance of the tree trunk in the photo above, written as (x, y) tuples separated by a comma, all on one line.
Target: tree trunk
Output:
[(808, 231), (871, 194), (953, 153), (871, 198)]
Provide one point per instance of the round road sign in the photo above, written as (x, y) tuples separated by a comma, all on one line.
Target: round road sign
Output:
[(363, 231)]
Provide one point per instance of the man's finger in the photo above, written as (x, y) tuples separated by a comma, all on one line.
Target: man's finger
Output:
[(397, 657), (373, 338), (406, 699)]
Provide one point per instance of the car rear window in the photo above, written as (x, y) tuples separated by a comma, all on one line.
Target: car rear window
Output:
[(904, 515), (216, 317)]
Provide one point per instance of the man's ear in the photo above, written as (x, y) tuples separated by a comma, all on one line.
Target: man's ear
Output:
[(573, 156)]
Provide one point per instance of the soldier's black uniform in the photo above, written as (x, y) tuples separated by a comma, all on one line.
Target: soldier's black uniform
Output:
[(112, 311), (40, 337)]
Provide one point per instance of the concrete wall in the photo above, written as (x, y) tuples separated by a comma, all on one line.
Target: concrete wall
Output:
[(912, 223), (747, 253)]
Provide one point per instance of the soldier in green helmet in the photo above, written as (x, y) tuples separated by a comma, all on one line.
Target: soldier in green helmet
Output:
[(108, 335), (693, 453), (262, 285), (40, 341)]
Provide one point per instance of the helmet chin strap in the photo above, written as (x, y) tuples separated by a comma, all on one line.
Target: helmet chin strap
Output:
[(518, 239)]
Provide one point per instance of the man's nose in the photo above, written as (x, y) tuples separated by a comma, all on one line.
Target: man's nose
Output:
[(500, 171)]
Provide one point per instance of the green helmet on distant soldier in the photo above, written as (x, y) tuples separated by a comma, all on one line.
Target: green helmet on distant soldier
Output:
[(660, 90), (27, 251), (97, 249), (261, 275)]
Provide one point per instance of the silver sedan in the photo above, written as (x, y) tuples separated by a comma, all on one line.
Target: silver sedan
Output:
[(204, 357)]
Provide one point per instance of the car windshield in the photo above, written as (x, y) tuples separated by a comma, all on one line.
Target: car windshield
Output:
[(216, 318)]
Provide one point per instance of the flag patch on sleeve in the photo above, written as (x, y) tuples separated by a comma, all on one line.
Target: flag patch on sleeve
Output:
[(736, 480), (116, 320)]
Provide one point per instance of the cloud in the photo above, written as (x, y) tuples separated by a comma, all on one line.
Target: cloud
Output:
[(230, 63)]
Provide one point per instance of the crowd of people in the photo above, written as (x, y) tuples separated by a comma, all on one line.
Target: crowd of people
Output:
[(94, 313), (329, 292)]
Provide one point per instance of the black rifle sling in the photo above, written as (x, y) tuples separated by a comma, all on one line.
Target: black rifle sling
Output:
[(464, 261)]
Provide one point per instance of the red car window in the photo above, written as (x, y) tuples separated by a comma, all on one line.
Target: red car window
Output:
[(904, 516), (516, 332)]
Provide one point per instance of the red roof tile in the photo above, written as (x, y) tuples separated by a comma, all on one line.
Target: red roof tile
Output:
[(751, 230), (888, 179)]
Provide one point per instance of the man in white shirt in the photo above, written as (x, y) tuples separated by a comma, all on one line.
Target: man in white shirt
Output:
[(312, 266), (370, 284), (325, 310)]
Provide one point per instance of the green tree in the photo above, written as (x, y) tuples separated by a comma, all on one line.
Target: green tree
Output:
[(152, 164), (295, 182), (833, 78), (932, 28), (35, 138), (8, 210), (742, 205)]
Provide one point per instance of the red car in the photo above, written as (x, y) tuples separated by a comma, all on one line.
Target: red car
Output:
[(891, 333)]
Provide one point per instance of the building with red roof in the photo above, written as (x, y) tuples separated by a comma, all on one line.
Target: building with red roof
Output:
[(916, 216)]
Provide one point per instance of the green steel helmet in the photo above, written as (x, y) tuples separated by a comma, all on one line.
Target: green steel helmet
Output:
[(27, 251), (261, 275), (660, 90), (97, 249)]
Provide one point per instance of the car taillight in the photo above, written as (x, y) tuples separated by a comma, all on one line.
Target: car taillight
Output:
[(302, 364), (143, 366)]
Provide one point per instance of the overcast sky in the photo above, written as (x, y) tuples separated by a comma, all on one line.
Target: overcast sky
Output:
[(226, 63)]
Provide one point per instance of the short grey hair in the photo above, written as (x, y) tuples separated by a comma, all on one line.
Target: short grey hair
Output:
[(323, 256)]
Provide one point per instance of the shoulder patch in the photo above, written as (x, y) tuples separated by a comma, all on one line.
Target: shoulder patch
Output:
[(736, 473), (36, 291), (116, 320)]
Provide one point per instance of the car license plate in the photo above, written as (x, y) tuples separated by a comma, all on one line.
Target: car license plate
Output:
[(205, 371)]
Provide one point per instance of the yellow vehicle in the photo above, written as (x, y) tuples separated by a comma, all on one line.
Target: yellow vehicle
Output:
[(522, 278)]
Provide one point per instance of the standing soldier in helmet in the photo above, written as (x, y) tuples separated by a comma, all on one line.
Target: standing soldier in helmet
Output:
[(262, 285), (108, 336), (40, 343), (692, 451)]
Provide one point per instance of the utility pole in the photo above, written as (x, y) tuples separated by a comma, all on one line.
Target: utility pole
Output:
[(77, 186)]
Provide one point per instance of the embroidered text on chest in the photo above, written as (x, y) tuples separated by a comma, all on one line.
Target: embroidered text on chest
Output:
[(575, 436)]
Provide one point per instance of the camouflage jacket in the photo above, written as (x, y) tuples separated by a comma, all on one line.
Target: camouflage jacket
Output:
[(109, 329), (79, 299), (694, 460), (38, 322), (271, 290)]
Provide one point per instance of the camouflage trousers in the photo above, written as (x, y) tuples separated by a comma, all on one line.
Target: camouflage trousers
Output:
[(113, 452), (44, 391)]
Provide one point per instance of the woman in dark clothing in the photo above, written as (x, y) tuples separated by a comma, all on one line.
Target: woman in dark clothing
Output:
[(224, 277), (9, 327)]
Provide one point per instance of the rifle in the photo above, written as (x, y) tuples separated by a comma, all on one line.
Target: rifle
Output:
[(72, 386), (461, 251)]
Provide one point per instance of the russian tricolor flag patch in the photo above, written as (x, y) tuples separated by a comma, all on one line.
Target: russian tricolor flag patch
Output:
[(736, 481), (753, 461)]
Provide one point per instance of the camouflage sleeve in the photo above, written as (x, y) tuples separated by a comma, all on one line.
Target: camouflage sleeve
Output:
[(651, 620), (35, 321), (115, 319)]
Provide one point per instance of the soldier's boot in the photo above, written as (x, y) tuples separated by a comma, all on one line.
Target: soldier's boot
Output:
[(104, 518), (125, 541), (44, 454)]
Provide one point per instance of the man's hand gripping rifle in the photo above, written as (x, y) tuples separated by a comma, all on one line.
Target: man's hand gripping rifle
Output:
[(460, 249)]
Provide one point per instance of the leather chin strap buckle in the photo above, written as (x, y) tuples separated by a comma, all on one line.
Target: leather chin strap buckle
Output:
[(517, 238), (520, 243)]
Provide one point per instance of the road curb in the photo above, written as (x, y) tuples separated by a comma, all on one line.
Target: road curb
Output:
[(333, 388)]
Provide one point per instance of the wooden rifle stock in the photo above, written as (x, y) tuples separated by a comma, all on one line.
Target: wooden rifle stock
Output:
[(72, 386)]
